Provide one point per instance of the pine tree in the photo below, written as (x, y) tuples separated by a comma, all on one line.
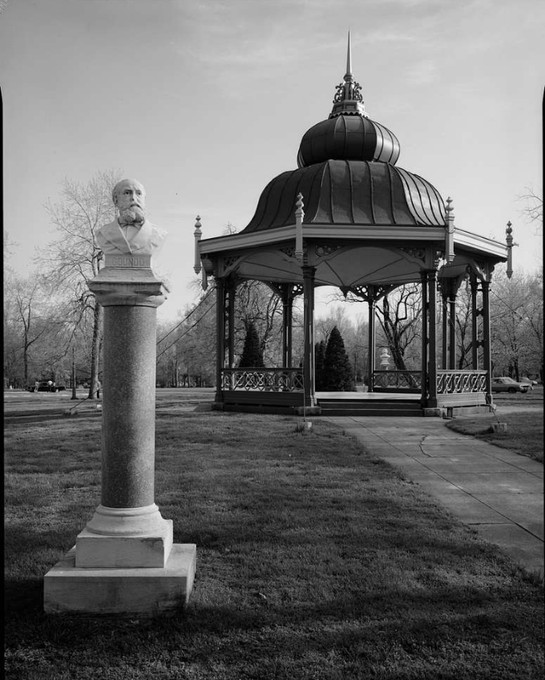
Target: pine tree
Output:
[(319, 365), (252, 355), (338, 374)]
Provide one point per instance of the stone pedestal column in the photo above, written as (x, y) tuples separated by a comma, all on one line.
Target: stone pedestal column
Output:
[(124, 560)]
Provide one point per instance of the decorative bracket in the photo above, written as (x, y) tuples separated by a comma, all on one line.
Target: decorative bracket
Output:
[(299, 215), (449, 246), (197, 233), (510, 244)]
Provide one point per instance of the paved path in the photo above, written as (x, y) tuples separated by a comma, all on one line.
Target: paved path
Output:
[(497, 492)]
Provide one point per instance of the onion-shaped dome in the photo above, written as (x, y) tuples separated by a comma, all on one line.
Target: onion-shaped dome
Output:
[(348, 133), (350, 137), (349, 192)]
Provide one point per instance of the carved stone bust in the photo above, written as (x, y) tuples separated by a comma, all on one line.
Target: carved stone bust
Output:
[(130, 233)]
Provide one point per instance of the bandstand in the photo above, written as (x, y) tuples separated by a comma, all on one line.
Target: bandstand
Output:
[(349, 217)]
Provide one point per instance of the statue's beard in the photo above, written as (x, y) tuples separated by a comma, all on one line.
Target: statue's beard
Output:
[(131, 216)]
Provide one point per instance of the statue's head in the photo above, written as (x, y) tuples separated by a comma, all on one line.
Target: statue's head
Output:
[(129, 197)]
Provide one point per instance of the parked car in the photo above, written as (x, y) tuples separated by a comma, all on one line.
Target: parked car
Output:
[(506, 384), (46, 386)]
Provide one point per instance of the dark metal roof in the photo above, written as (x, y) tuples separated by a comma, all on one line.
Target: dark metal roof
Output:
[(348, 137), (349, 192)]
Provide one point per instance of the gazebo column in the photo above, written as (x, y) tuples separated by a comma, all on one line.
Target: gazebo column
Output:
[(474, 325), (220, 336), (487, 363), (429, 350), (231, 291), (287, 326), (432, 340), (371, 302), (444, 336), (424, 368), (308, 360), (452, 324)]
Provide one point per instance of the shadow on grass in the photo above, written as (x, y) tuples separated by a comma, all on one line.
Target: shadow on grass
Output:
[(358, 626)]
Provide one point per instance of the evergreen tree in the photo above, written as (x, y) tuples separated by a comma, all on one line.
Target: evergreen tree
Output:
[(338, 374), (319, 365), (252, 355)]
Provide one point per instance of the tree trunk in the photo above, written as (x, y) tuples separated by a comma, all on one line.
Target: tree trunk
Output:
[(95, 350)]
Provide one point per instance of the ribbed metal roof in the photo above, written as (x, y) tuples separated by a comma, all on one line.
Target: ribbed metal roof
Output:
[(349, 137), (349, 192)]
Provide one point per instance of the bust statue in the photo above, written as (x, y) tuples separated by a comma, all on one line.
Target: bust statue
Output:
[(130, 233)]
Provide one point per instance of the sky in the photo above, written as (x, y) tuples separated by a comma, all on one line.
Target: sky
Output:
[(205, 101)]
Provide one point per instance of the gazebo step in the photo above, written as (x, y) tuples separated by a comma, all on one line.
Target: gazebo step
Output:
[(397, 408)]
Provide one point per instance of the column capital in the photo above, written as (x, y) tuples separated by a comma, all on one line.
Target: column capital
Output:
[(128, 285)]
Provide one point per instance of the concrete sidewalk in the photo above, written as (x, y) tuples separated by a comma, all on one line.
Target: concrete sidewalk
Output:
[(497, 492)]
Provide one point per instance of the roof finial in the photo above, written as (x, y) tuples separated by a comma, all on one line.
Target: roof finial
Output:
[(348, 99), (348, 57)]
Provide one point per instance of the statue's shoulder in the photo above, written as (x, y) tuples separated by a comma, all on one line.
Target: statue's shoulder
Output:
[(111, 226), (156, 232)]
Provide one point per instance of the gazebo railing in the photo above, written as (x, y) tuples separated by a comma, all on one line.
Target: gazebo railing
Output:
[(461, 381), (448, 381), (262, 379), (291, 380), (397, 380)]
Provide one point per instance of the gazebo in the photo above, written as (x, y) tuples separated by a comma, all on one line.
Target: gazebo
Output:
[(349, 217)]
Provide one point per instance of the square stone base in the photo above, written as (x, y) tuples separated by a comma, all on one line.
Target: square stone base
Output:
[(138, 591), (113, 552)]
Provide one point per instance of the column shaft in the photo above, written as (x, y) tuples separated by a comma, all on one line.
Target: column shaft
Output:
[(128, 425), (425, 325), (487, 358), (220, 336), (432, 347), (308, 362), (371, 301)]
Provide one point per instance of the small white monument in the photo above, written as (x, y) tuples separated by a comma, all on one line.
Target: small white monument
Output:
[(384, 359), (124, 560)]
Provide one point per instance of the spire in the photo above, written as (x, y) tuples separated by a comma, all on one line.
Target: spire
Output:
[(348, 58), (348, 99)]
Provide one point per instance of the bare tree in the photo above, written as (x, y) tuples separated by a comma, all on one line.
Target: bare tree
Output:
[(256, 304), (534, 206), (464, 345), (517, 324), (399, 315), (75, 258), (28, 322)]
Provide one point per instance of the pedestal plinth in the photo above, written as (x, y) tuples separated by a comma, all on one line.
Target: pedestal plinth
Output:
[(124, 560)]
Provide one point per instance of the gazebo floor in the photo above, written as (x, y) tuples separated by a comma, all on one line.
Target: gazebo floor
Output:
[(396, 404)]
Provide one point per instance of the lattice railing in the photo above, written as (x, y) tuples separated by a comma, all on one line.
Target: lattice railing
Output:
[(262, 379), (398, 380), (460, 382)]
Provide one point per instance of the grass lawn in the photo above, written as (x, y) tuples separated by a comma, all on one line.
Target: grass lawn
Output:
[(314, 560), (524, 433)]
